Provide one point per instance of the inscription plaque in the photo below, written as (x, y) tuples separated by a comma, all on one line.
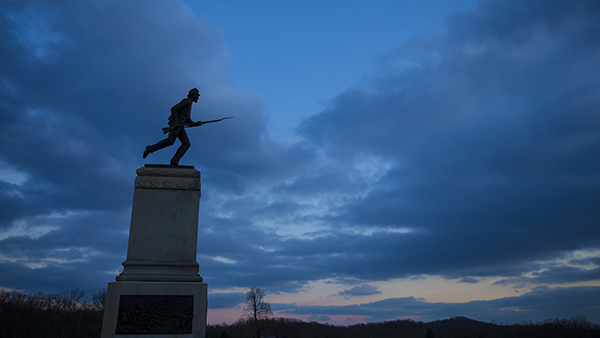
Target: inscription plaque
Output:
[(146, 314)]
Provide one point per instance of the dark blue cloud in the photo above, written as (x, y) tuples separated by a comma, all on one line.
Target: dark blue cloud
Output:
[(493, 131), (360, 290), (554, 275)]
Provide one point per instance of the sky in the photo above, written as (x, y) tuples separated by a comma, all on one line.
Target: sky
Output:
[(387, 160)]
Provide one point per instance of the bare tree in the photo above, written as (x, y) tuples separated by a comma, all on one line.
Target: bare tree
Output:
[(256, 309), (99, 299)]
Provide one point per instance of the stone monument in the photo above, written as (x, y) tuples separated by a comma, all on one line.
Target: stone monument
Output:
[(160, 293)]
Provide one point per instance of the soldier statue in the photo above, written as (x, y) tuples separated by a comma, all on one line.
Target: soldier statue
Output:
[(179, 119)]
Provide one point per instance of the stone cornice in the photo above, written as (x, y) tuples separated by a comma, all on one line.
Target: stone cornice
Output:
[(167, 178)]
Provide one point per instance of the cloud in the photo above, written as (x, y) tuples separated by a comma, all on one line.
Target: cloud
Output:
[(360, 290), (80, 250), (468, 280), (553, 276), (319, 318), (536, 305), (491, 130)]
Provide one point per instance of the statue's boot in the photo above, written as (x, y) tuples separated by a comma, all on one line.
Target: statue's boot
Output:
[(146, 152)]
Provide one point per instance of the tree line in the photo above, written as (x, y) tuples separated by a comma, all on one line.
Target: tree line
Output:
[(68, 314), (456, 327)]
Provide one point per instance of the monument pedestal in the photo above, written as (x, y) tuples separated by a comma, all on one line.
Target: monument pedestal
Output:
[(160, 293)]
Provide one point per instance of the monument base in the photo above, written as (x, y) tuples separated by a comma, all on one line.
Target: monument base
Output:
[(155, 310), (160, 293)]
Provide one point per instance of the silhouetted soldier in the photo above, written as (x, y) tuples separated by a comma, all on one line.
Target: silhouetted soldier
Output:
[(180, 117)]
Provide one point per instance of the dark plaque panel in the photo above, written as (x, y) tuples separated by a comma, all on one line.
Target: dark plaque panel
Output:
[(155, 314)]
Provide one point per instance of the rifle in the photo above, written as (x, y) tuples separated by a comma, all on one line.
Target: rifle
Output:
[(194, 124)]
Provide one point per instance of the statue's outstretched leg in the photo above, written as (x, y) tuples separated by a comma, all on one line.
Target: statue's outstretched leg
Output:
[(160, 144)]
